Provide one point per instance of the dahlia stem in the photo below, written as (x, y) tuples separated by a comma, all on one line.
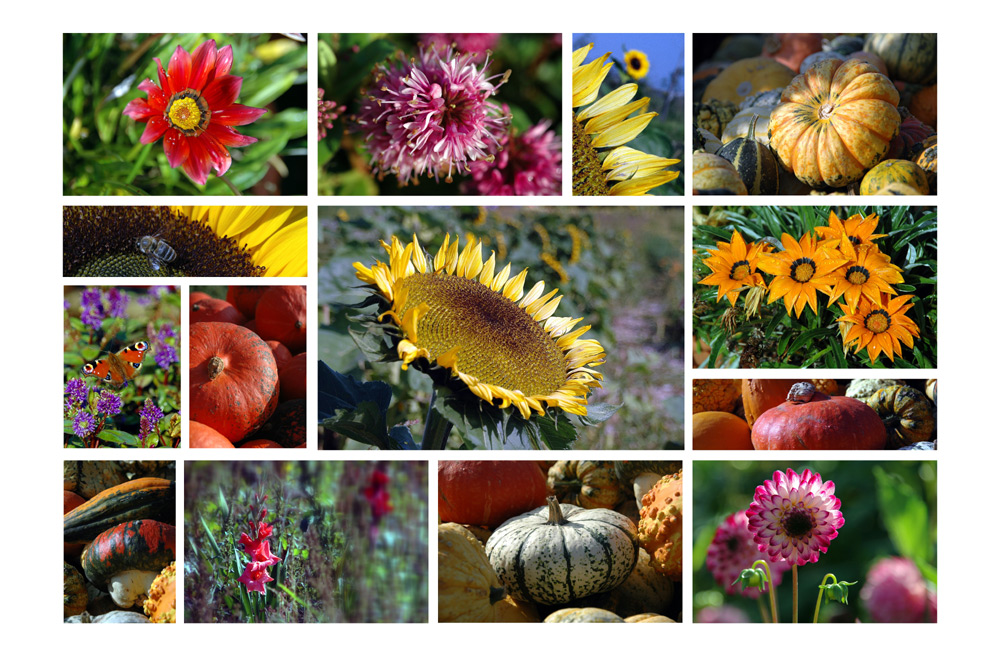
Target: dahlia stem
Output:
[(770, 589), (795, 593), (436, 427), (232, 188), (819, 599), (763, 611)]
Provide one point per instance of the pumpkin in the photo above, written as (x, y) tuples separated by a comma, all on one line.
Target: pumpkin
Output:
[(127, 558), (645, 590), (586, 483), (161, 603), (862, 388), (206, 437), (488, 492), (481, 532), (233, 379), (923, 105), (281, 315), (642, 475), (739, 127), (767, 99), (931, 389), (711, 174), (287, 426), (509, 609), (580, 615), (762, 394), (140, 498), (245, 297), (754, 162), (720, 394), (87, 478), (714, 115), (215, 309), (809, 419), (746, 77), (705, 140), (468, 588), (900, 189), (644, 618), (260, 444), (293, 378), (835, 122), (559, 553), (661, 524), (74, 591), (872, 59), (894, 170), (790, 49), (909, 141), (816, 58), (120, 617), (281, 353), (927, 160), (71, 500), (908, 415), (719, 430), (909, 57)]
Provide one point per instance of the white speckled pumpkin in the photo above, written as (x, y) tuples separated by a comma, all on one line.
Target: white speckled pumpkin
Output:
[(560, 552)]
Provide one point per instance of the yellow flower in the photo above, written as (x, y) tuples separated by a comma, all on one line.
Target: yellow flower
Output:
[(458, 312), (879, 326), (606, 124), (637, 64), (868, 272), (799, 271), (734, 267), (858, 229)]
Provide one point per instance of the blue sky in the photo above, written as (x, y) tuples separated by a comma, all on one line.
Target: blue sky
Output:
[(665, 51)]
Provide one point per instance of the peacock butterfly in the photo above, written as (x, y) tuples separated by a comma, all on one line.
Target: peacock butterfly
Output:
[(117, 369)]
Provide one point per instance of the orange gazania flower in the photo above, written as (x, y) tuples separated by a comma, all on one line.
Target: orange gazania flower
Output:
[(858, 229), (734, 267), (194, 109), (868, 272), (799, 271), (879, 327)]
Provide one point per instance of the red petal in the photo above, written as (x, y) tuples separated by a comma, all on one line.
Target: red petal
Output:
[(221, 160), (229, 137), (179, 69), (139, 110), (224, 61), (199, 162), (154, 130), (157, 99), (164, 80), (175, 145), (237, 115), (204, 63), (222, 91)]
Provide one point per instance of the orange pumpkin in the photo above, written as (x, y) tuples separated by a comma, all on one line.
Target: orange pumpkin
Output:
[(812, 420), (762, 394), (215, 309), (790, 49), (206, 437), (924, 105), (835, 122), (488, 492), (293, 378), (719, 430), (745, 78), (245, 297), (281, 315)]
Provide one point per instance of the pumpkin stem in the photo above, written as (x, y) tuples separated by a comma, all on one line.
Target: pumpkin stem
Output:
[(801, 393), (825, 111), (215, 367), (555, 512), (497, 594)]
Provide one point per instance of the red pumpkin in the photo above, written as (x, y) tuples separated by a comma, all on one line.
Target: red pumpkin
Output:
[(281, 315), (293, 378), (488, 492), (812, 420), (245, 297), (281, 353), (234, 379), (762, 394), (215, 309), (205, 437), (260, 444), (791, 48)]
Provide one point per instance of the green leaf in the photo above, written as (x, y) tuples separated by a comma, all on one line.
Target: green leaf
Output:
[(115, 436), (905, 515)]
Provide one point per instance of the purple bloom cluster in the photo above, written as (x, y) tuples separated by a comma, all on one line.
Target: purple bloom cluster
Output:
[(83, 424), (92, 311), (109, 403), (149, 417), (164, 353), (528, 164), (75, 393), (329, 111)]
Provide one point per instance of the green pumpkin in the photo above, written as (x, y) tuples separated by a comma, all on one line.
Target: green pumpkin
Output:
[(909, 57), (907, 414)]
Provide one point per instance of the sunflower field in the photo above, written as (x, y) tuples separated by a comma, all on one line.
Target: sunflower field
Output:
[(828, 287), (302, 541), (628, 308), (225, 115), (881, 561)]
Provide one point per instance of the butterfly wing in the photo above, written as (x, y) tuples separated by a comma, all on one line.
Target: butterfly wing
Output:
[(118, 368)]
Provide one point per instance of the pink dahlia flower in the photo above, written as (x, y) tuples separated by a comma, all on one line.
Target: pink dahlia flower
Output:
[(734, 550), (721, 615), (194, 109), (528, 164), (895, 591), (431, 115), (795, 517)]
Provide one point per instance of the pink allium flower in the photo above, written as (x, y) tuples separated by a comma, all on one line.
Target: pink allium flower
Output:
[(795, 517), (431, 115), (721, 615), (732, 551), (895, 591), (477, 44), (528, 164), (255, 576), (329, 111)]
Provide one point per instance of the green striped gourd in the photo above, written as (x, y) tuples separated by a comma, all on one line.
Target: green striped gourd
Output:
[(753, 161)]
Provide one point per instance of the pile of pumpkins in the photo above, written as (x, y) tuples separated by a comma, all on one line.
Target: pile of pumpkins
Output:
[(248, 367), (817, 114), (119, 542), (788, 414), (559, 541)]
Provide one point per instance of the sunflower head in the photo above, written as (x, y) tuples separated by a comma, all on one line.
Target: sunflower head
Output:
[(472, 326), (636, 64)]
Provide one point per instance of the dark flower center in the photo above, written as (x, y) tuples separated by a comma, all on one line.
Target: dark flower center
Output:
[(878, 321), (798, 523), (739, 270), (188, 112), (803, 269), (635, 63), (854, 240), (857, 275)]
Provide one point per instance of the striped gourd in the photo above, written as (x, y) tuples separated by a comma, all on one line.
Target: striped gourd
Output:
[(753, 161), (560, 552), (894, 170), (141, 498), (910, 57), (145, 545)]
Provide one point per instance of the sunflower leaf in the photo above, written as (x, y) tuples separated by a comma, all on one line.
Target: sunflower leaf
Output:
[(599, 412)]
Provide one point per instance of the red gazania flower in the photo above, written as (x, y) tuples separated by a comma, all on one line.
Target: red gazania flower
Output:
[(194, 109)]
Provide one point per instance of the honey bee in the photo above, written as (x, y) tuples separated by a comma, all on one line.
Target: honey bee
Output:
[(157, 250)]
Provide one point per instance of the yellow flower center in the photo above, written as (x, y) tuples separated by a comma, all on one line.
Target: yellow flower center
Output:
[(740, 270), (877, 321), (188, 112), (498, 342), (857, 275), (588, 177), (803, 269)]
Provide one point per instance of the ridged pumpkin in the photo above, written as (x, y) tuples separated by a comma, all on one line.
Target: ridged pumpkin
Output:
[(582, 615), (488, 492), (908, 415), (719, 430), (719, 394), (909, 141), (586, 483), (927, 160), (712, 175), (835, 122), (559, 553), (140, 498), (661, 525), (233, 378), (894, 170), (281, 315), (910, 57), (753, 162), (746, 77), (714, 115), (468, 588), (809, 419)]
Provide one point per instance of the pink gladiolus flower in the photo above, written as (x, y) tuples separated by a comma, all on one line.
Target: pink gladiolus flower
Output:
[(255, 576)]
